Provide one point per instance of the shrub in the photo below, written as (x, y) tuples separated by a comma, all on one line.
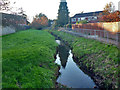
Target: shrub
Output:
[(111, 17), (83, 22), (40, 21), (69, 26)]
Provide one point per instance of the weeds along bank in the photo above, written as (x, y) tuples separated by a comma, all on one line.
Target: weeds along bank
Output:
[(99, 58), (28, 60)]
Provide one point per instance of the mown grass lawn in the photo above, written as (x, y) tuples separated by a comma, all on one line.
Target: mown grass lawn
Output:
[(28, 60), (102, 58)]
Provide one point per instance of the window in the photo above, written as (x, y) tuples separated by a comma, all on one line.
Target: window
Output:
[(83, 18), (95, 17), (79, 19), (73, 19)]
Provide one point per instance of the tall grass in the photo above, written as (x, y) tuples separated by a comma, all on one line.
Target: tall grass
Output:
[(28, 60)]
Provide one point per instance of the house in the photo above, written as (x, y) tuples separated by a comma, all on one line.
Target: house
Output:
[(89, 17), (16, 21), (11, 19)]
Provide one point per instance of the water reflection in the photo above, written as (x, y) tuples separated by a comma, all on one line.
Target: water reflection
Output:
[(58, 41), (63, 54), (71, 75)]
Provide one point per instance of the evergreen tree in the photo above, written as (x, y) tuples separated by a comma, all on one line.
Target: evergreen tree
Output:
[(63, 14)]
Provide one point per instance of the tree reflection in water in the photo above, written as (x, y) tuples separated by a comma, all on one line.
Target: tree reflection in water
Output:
[(71, 75), (63, 54)]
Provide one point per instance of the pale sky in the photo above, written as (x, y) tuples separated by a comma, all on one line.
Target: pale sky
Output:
[(50, 7)]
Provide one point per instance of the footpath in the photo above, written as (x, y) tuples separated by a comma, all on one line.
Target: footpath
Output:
[(104, 40)]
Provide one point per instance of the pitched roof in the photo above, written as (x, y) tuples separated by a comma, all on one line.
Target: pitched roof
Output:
[(87, 14)]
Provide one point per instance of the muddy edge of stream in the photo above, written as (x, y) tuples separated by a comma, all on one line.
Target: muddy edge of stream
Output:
[(89, 71)]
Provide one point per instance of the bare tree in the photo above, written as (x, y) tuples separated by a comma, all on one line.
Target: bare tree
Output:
[(109, 7), (4, 5), (21, 11)]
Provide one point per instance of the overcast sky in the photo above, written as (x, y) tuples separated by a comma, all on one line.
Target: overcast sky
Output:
[(50, 7)]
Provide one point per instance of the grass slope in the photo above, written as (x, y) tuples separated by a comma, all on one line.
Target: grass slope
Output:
[(28, 60), (102, 58)]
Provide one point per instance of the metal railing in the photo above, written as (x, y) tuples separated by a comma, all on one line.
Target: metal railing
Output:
[(101, 35)]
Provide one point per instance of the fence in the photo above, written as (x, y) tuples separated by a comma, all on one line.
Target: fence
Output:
[(109, 26), (101, 35), (107, 31)]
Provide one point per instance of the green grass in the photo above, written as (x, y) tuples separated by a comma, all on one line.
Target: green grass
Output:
[(28, 60), (103, 58)]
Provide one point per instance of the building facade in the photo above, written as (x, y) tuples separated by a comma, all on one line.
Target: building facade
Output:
[(10, 19), (90, 17), (16, 21)]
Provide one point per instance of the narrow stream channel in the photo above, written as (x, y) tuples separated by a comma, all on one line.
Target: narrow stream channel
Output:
[(71, 75)]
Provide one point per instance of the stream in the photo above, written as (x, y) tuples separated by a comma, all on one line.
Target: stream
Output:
[(70, 74)]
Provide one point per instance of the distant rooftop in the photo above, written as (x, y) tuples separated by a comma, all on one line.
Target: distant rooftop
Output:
[(87, 14)]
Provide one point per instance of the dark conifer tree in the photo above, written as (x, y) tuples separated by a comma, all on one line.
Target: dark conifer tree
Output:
[(63, 14)]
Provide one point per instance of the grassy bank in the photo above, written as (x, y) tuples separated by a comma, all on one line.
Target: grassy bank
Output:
[(28, 60), (101, 58)]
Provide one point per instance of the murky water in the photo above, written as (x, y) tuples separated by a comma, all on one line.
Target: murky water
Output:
[(71, 75)]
